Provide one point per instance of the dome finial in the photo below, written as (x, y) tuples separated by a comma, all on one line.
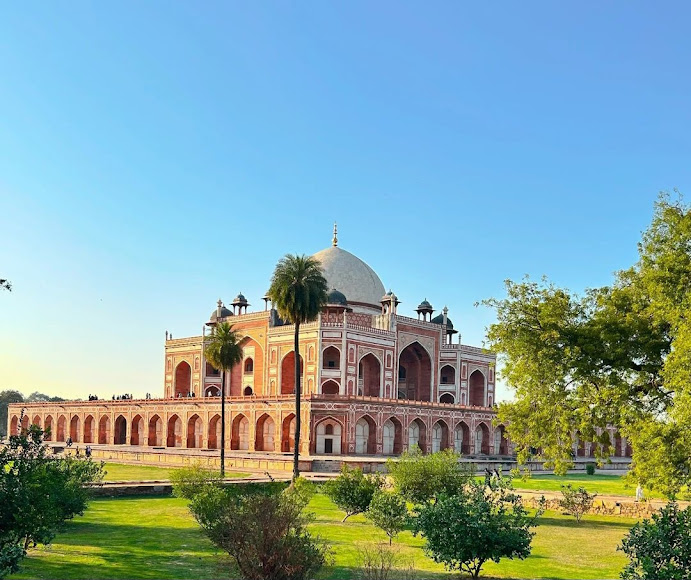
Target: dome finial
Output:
[(335, 239)]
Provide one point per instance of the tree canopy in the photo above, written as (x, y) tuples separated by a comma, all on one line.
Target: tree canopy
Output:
[(38, 492), (617, 355), (422, 478)]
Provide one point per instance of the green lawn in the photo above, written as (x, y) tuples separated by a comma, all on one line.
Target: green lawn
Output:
[(601, 484), (124, 472), (157, 538)]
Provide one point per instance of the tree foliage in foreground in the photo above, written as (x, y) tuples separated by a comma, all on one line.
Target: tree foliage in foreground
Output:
[(659, 547), (263, 528), (617, 355), (477, 525), (352, 490), (388, 511), (576, 501), (38, 493), (421, 478)]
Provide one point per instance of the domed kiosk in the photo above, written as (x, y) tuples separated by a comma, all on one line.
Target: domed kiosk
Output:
[(352, 277)]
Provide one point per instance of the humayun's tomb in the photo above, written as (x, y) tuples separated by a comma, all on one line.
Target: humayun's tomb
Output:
[(374, 383)]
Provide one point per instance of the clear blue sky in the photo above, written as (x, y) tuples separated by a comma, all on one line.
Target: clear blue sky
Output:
[(155, 156)]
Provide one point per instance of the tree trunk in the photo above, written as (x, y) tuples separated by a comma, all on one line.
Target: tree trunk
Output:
[(223, 423), (296, 452)]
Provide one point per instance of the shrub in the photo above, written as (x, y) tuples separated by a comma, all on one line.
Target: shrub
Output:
[(264, 531), (352, 491), (38, 493), (420, 478), (189, 481), (478, 524), (659, 547), (388, 512), (590, 468), (380, 562), (576, 501)]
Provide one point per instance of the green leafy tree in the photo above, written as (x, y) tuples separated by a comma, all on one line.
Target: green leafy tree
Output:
[(388, 512), (6, 398), (263, 529), (38, 492), (223, 351), (37, 397), (352, 491), (298, 291), (421, 478), (477, 525), (576, 501), (617, 355), (192, 480), (659, 547)]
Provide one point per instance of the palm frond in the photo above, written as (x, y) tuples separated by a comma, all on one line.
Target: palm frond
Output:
[(222, 347), (298, 288)]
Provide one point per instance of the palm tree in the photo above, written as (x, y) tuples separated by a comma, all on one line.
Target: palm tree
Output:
[(298, 291), (222, 349)]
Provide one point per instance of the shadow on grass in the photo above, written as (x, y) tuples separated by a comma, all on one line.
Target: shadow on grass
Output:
[(585, 523)]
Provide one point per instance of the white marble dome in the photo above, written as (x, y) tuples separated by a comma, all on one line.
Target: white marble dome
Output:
[(351, 276)]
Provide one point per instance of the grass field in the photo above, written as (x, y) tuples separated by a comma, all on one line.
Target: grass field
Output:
[(157, 538), (599, 483), (123, 472)]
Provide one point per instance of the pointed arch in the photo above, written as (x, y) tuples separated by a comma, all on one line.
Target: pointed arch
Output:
[(62, 422), (137, 434), (174, 438), (417, 435), (440, 436), (265, 435), (215, 432), (288, 373), (447, 399), (89, 429), (365, 436), (331, 358), (36, 421), (240, 433), (501, 443), (447, 375), (25, 423), (75, 428), (330, 387), (195, 432), (103, 430), (48, 428), (288, 434), (14, 425), (462, 438), (392, 435), (415, 373), (369, 376), (482, 439), (183, 379), (476, 389), (120, 431), (329, 433), (155, 431)]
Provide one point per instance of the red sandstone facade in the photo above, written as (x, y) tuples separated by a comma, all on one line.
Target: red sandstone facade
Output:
[(374, 382)]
